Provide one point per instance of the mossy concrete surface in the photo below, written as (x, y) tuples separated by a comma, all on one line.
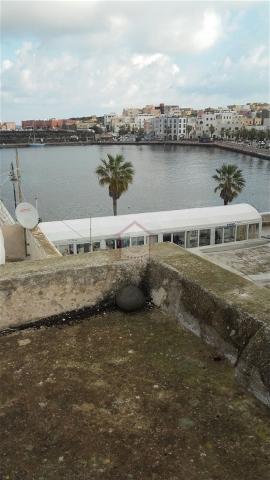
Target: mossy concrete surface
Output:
[(233, 289), (122, 397), (31, 291), (225, 309)]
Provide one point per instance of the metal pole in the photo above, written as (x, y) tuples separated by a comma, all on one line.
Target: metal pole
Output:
[(90, 245), (13, 179), (18, 175)]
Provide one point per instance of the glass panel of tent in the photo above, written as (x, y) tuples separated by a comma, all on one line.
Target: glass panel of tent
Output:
[(253, 230), (110, 243), (229, 233), (241, 232), (151, 239), (218, 235), (64, 249), (83, 248), (205, 237), (137, 241), (192, 239), (122, 242), (167, 237), (179, 238)]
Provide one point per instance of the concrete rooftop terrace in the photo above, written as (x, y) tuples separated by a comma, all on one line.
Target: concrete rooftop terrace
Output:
[(121, 397), (251, 261)]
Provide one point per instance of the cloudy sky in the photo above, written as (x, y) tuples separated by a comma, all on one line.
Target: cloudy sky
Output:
[(71, 58)]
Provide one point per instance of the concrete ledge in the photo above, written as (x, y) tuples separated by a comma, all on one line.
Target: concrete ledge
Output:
[(30, 294)]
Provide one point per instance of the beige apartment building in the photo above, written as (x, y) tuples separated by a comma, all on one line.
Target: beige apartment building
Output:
[(8, 126)]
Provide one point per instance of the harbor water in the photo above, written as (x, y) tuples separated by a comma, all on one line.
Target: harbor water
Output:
[(167, 177)]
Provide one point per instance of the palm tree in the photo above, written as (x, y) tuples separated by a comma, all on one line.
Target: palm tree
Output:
[(117, 174), (212, 129), (230, 182)]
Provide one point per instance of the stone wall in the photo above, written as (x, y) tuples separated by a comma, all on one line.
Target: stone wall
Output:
[(31, 291), (224, 309)]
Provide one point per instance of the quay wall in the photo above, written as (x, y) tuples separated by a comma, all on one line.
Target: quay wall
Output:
[(225, 146), (224, 309)]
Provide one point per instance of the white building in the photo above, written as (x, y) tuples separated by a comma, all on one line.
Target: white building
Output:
[(215, 123), (108, 120), (169, 127), (139, 120)]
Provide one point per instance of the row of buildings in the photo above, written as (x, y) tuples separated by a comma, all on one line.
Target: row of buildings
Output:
[(173, 122), (170, 122)]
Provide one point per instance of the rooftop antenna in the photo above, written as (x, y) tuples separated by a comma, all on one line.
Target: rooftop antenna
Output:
[(36, 205), (18, 175), (90, 245), (13, 180), (27, 217)]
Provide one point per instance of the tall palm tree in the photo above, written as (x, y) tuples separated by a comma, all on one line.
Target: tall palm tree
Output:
[(212, 129), (230, 182), (117, 174)]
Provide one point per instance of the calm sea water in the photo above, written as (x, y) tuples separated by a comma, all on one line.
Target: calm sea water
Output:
[(167, 178)]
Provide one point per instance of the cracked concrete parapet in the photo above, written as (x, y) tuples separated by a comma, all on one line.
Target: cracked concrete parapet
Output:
[(241, 337), (61, 287), (253, 367)]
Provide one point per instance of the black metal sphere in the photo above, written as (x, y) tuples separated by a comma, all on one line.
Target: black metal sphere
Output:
[(130, 299)]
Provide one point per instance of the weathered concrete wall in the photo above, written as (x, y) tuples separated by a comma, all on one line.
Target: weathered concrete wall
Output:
[(42, 289), (222, 308), (14, 240), (38, 246)]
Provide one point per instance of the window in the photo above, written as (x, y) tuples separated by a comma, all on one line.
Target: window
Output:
[(137, 241), (241, 233), (110, 243), (122, 242), (229, 233), (179, 238), (167, 237), (192, 239), (253, 230), (205, 236), (218, 235), (83, 247)]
